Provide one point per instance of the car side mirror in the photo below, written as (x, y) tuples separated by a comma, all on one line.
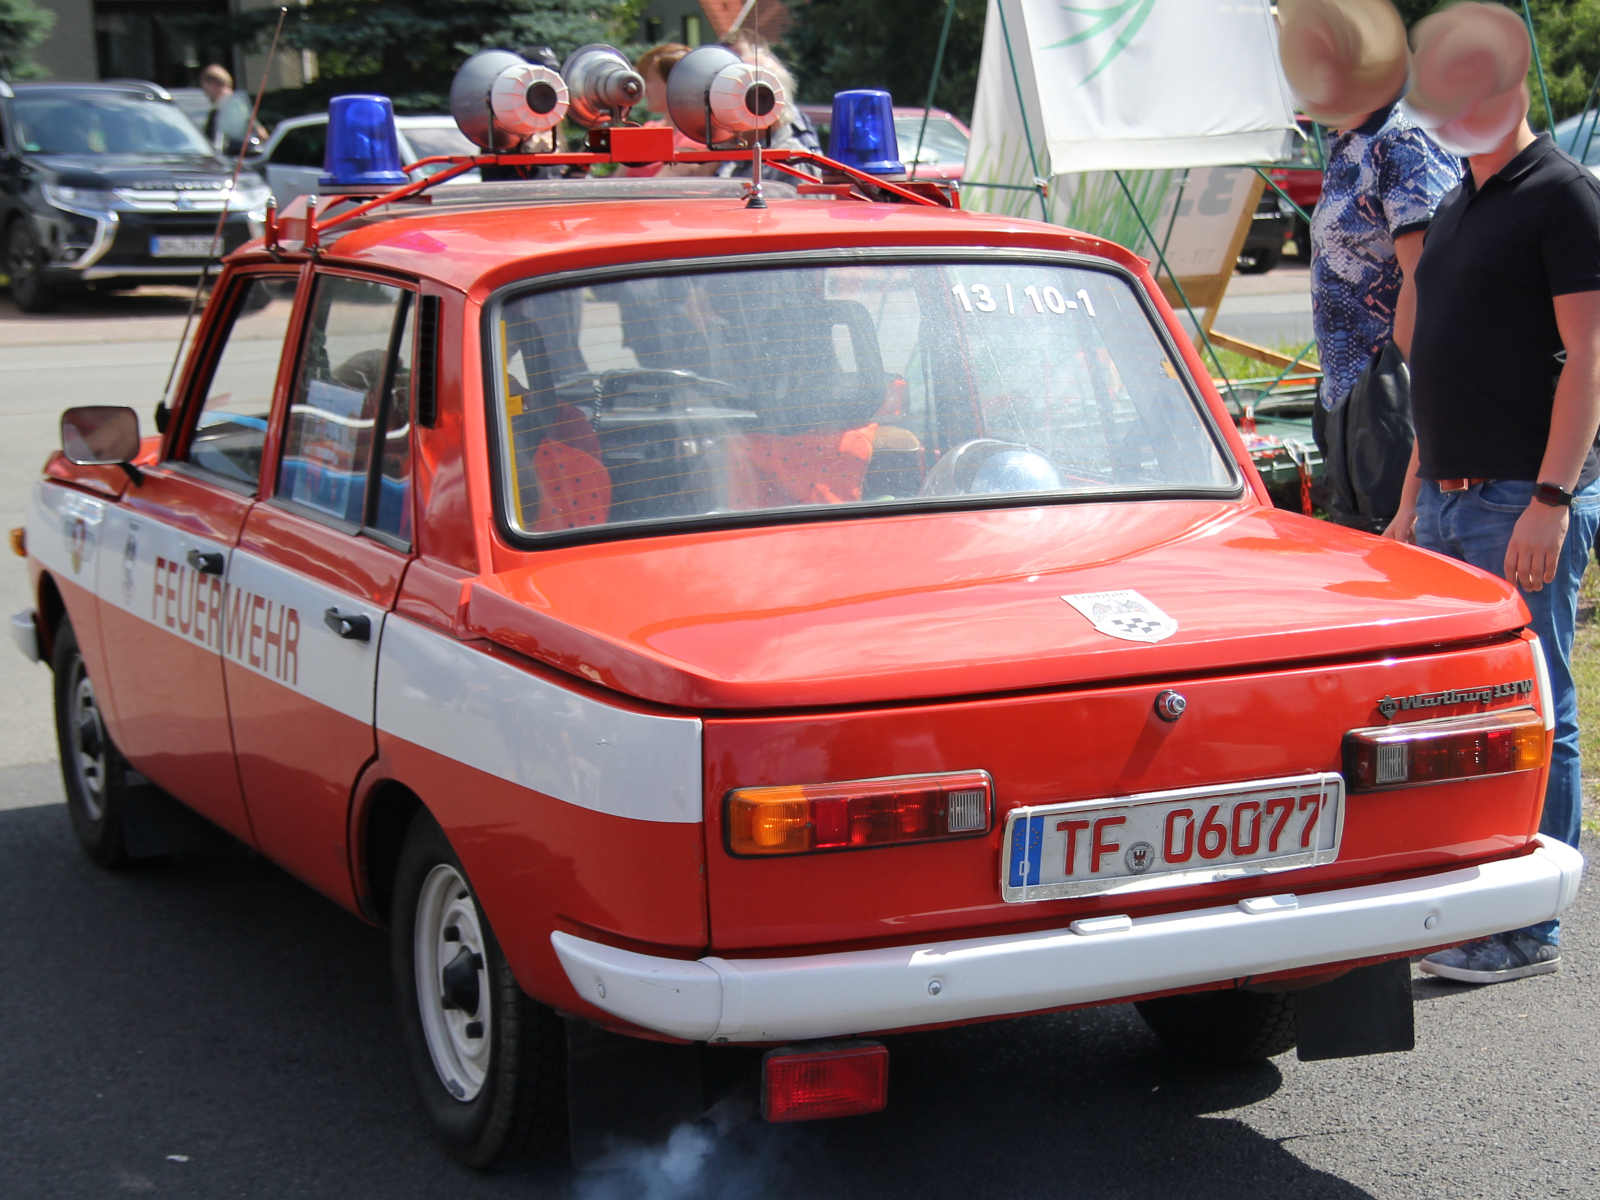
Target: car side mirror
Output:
[(101, 435)]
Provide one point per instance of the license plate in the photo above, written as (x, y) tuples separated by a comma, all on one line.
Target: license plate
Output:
[(180, 247), (1172, 839)]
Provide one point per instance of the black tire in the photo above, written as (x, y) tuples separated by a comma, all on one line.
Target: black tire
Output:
[(1223, 1028), (25, 266), (93, 772), (1259, 262), (511, 1104)]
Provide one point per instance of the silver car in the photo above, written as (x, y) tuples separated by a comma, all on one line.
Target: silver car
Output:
[(291, 160)]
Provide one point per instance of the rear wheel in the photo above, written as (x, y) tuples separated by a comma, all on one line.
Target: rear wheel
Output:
[(488, 1060), (92, 771), (1223, 1028), (25, 267)]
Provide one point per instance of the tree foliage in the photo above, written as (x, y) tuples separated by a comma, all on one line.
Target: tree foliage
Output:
[(888, 44), (410, 49), (23, 26)]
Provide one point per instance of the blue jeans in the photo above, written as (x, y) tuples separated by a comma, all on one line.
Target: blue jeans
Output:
[(1475, 526)]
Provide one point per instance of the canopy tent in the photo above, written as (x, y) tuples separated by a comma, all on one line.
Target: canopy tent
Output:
[(1097, 114)]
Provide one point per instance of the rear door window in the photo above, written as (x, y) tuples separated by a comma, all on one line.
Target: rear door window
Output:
[(346, 445)]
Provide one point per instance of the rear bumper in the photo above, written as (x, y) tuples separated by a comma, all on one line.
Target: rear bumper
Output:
[(864, 991)]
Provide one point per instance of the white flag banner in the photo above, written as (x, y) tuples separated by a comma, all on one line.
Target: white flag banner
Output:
[(1173, 93)]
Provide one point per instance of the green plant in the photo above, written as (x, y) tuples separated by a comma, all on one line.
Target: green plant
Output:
[(23, 26)]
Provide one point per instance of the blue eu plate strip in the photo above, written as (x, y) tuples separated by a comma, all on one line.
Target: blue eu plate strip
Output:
[(1027, 845)]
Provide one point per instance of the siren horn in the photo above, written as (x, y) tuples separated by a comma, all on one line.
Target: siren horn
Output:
[(713, 95), (499, 99), (603, 84)]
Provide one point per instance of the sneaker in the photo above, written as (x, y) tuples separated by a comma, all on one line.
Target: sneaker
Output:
[(1497, 959)]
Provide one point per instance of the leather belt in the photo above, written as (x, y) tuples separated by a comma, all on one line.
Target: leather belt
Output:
[(1458, 485)]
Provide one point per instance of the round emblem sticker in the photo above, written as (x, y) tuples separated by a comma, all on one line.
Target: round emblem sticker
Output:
[(1139, 857)]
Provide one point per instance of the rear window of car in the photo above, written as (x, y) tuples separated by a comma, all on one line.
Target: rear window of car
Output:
[(681, 397)]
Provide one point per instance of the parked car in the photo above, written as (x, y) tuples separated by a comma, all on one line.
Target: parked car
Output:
[(1270, 227), (944, 143), (110, 185), (1301, 177), (711, 635), (292, 158), (1577, 136)]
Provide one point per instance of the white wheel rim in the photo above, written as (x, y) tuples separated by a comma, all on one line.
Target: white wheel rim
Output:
[(447, 927), (88, 742)]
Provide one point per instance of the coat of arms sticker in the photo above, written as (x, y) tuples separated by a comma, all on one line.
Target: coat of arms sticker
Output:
[(1126, 615)]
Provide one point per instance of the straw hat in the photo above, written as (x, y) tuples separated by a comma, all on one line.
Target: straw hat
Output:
[(1344, 58), (1469, 76)]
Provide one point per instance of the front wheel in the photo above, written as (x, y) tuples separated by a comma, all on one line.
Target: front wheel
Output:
[(93, 773), (488, 1060), (1223, 1028), (25, 266)]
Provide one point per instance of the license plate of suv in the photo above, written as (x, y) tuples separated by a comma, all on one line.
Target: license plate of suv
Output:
[(1171, 839), (165, 246)]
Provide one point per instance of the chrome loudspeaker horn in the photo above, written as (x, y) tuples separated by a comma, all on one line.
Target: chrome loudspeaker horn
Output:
[(714, 96), (602, 83), (499, 99)]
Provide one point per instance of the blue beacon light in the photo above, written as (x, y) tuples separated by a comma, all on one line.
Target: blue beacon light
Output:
[(863, 132), (363, 149)]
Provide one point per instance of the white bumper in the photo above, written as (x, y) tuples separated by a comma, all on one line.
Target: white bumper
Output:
[(864, 991)]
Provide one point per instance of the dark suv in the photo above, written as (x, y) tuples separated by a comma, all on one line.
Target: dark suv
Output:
[(110, 185)]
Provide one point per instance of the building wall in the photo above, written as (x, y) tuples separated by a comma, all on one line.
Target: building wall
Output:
[(68, 53)]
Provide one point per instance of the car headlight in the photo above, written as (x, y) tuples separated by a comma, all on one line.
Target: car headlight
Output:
[(76, 199), (250, 195), (1286, 206)]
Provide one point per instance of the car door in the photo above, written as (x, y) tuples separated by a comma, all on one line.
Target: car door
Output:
[(163, 607), (317, 568)]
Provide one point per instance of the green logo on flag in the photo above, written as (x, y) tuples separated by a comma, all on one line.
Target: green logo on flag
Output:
[(1130, 13)]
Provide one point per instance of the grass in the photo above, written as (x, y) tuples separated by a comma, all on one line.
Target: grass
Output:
[(1586, 673), (1240, 368)]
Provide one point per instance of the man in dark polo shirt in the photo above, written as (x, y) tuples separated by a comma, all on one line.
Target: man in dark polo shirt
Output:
[(1505, 394)]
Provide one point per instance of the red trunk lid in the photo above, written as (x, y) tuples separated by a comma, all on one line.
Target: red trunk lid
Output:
[(873, 611)]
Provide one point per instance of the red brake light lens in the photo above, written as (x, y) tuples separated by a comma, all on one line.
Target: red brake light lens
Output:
[(1494, 743), (828, 1083), (801, 819)]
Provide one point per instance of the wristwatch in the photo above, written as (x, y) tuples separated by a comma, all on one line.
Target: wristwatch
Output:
[(1552, 494)]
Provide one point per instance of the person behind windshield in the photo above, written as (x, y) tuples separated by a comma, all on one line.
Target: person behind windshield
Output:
[(228, 124)]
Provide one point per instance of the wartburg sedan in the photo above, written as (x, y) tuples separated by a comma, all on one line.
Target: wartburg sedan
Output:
[(731, 633)]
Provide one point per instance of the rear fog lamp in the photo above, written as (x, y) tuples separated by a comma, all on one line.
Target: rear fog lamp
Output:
[(800, 819), (1494, 743), (801, 1083)]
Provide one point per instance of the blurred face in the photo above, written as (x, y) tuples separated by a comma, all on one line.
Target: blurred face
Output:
[(655, 93), (214, 88)]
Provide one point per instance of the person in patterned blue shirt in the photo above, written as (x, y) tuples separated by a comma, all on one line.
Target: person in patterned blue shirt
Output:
[(1383, 182)]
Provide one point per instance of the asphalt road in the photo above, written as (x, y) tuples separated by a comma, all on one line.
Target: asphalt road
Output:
[(208, 1027)]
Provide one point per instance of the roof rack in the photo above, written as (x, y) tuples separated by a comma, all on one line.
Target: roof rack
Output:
[(620, 145)]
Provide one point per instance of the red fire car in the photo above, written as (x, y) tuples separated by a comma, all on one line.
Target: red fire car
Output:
[(710, 635)]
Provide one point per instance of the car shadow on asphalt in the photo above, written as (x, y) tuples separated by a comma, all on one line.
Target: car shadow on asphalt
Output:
[(97, 305), (209, 1026)]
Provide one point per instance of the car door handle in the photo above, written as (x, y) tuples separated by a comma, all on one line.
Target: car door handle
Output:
[(207, 562), (353, 626)]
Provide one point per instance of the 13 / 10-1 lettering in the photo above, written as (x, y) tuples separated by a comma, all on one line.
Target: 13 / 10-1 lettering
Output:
[(980, 297)]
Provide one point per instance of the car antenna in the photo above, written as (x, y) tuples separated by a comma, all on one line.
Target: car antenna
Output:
[(222, 217)]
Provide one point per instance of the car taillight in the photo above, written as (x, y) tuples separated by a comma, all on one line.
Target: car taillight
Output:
[(807, 1085), (800, 819), (1494, 743)]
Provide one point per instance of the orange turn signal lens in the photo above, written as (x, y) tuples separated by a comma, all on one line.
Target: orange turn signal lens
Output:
[(799, 819), (1495, 743)]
